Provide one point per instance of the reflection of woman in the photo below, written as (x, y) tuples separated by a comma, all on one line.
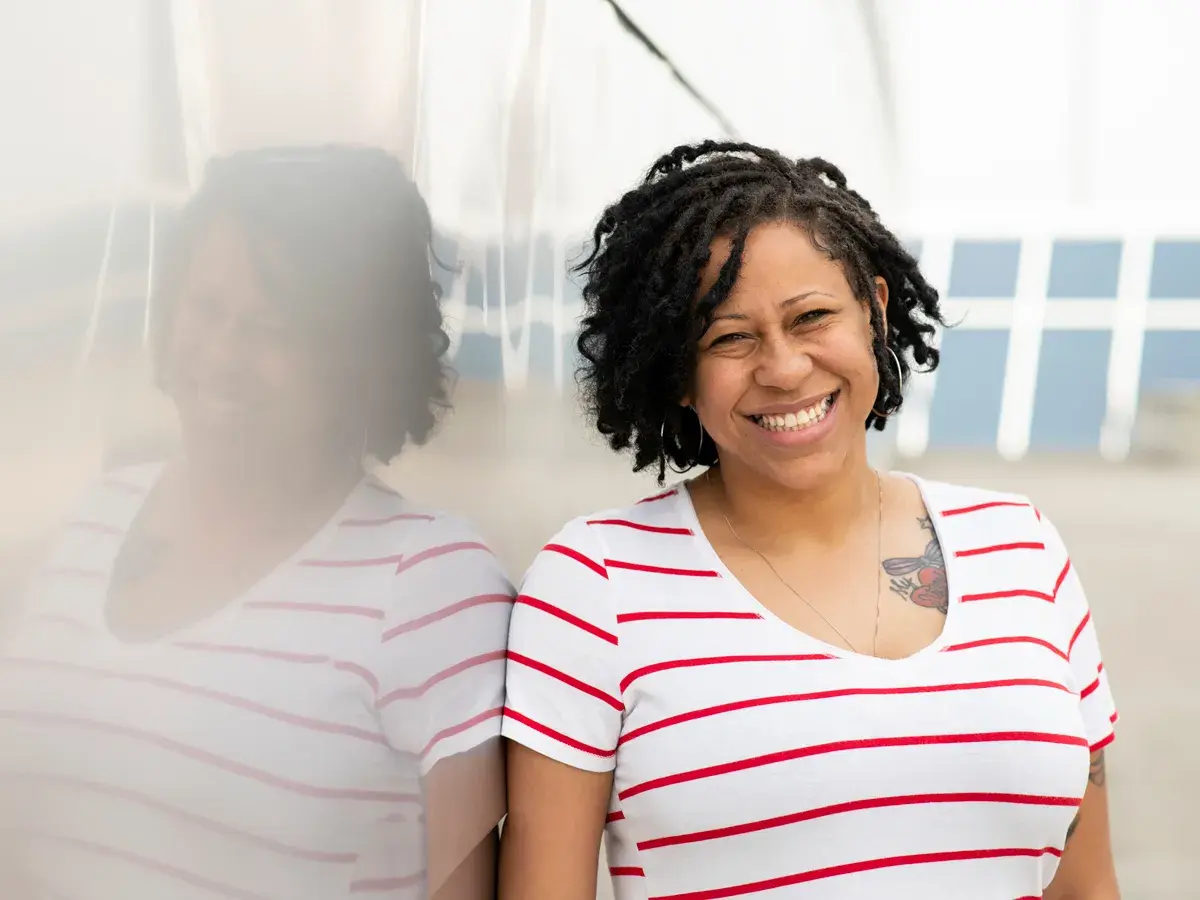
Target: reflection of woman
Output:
[(792, 676), (252, 671)]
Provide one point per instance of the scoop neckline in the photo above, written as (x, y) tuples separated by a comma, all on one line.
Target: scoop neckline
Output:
[(259, 588), (930, 650)]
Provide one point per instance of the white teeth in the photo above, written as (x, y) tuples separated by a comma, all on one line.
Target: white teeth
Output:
[(796, 421)]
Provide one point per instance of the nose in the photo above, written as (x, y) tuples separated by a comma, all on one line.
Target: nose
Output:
[(783, 364), (220, 347)]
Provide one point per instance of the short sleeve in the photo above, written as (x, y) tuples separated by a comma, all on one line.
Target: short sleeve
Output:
[(563, 677), (1096, 702), (440, 666)]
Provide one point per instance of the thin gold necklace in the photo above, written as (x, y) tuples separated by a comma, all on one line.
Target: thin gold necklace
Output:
[(798, 595)]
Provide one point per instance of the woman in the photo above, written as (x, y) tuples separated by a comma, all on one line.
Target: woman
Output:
[(255, 671), (791, 676)]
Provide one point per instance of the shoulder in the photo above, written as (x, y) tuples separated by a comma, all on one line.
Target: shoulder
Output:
[(617, 531), (972, 513)]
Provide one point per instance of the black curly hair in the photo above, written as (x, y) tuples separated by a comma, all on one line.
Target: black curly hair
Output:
[(358, 242), (642, 319)]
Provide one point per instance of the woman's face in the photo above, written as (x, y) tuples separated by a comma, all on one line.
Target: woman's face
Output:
[(243, 376), (785, 376)]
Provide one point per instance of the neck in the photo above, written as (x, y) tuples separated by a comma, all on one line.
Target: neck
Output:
[(261, 498), (821, 516)]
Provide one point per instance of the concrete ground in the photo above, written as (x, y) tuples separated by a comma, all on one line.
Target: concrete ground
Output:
[(519, 465)]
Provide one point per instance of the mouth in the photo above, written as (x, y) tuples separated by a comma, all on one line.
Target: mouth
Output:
[(799, 419)]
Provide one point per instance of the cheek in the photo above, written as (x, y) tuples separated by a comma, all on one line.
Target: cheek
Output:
[(718, 384)]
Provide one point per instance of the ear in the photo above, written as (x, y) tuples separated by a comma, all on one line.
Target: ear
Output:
[(881, 294)]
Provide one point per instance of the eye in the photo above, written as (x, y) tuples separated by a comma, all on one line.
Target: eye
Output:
[(727, 339), (812, 316)]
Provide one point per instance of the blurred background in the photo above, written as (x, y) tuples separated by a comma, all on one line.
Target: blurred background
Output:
[(1038, 155)]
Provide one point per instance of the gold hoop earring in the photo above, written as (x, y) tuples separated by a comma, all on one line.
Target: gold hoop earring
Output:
[(899, 390)]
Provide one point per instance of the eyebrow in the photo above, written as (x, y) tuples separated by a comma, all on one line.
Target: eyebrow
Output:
[(783, 304)]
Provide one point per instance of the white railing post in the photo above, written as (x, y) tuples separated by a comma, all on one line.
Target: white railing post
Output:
[(912, 426), (1125, 354), (1024, 347)]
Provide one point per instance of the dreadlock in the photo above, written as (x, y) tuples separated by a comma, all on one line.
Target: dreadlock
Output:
[(357, 237), (642, 323)]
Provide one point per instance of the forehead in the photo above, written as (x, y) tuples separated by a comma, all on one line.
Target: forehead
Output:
[(221, 259), (779, 261)]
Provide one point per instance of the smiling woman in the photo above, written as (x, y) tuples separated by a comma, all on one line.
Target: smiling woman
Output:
[(791, 674)]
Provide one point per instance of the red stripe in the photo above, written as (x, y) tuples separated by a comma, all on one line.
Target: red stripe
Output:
[(566, 679), (1102, 743), (380, 885), (510, 713), (153, 865), (615, 816), (833, 693), (663, 496), (652, 616), (352, 563), (866, 865), (659, 570), (626, 870), (283, 656), (330, 608), (639, 526), (410, 693), (422, 621), (355, 669), (1062, 576), (1001, 595), (187, 816), (578, 557), (1000, 548), (1087, 617), (261, 652), (435, 552), (218, 762), (582, 624), (233, 700), (992, 642), (95, 527), (1113, 718), (1090, 689), (795, 753), (460, 728), (1038, 513), (385, 520), (991, 504), (716, 661), (855, 806)]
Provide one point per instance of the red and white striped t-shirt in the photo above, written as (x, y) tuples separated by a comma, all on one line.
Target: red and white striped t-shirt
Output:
[(751, 760), (276, 750)]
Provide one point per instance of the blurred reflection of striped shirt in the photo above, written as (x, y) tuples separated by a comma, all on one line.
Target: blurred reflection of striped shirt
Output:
[(274, 750)]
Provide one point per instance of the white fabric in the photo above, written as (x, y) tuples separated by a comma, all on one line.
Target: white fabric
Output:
[(751, 759), (274, 750)]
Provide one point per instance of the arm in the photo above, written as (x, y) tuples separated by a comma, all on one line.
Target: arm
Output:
[(562, 721), (464, 799), (1086, 871), (551, 838), (441, 695)]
